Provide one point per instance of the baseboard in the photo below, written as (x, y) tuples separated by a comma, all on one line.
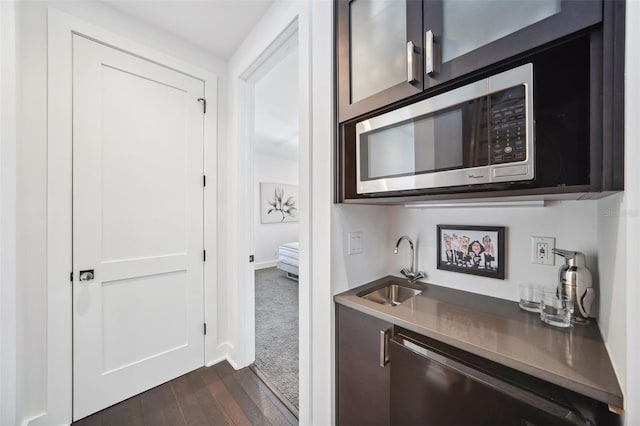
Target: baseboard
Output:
[(233, 363), (224, 358), (226, 349), (37, 420), (222, 350), (215, 361), (265, 265)]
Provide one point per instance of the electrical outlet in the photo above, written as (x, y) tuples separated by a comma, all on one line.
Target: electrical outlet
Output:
[(355, 242), (541, 250)]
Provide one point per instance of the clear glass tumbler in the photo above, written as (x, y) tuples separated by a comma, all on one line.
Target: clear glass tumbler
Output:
[(555, 309), (530, 296)]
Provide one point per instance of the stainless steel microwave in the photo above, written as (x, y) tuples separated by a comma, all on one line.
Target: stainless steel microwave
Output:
[(480, 133)]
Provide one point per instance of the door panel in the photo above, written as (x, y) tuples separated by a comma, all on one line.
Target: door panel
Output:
[(137, 223), (378, 46), (467, 26), (149, 132), (379, 54), (128, 312), (469, 36), (362, 383)]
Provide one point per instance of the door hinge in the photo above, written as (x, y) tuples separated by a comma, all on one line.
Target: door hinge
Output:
[(205, 328), (204, 105), (71, 276), (204, 180), (204, 255), (250, 258)]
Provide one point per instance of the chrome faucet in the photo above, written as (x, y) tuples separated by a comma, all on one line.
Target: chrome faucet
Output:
[(410, 274)]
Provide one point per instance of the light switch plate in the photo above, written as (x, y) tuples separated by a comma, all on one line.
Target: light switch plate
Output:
[(541, 250), (355, 242)]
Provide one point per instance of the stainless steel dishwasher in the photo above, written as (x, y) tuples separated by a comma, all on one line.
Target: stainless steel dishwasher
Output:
[(436, 384)]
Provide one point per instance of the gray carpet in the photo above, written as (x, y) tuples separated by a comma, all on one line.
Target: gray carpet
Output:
[(277, 331)]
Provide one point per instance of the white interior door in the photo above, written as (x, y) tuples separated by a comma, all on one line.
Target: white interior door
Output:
[(137, 224)]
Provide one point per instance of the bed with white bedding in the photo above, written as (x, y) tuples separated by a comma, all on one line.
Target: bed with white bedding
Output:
[(288, 259)]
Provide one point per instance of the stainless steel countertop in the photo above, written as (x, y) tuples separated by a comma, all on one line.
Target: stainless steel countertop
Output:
[(574, 358)]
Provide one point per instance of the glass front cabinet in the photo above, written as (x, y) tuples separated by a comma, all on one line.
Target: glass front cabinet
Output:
[(390, 50), (379, 53)]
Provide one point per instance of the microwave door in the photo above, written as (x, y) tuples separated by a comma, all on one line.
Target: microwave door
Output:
[(476, 134)]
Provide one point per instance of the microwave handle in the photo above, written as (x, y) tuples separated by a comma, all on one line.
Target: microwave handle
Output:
[(429, 57), (522, 395)]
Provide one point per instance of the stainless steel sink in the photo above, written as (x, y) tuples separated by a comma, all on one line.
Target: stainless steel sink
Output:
[(391, 294)]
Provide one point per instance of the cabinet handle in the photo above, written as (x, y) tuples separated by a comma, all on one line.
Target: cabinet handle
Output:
[(411, 48), (384, 344), (429, 56)]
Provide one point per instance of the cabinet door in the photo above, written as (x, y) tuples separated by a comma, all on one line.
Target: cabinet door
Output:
[(379, 45), (462, 36), (363, 384)]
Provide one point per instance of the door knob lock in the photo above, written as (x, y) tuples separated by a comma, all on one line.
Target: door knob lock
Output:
[(86, 275)]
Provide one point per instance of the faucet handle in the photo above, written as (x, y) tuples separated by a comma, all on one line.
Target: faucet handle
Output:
[(412, 276), (415, 276), (406, 272)]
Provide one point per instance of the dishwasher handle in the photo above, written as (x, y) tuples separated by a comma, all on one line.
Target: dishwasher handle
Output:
[(516, 392)]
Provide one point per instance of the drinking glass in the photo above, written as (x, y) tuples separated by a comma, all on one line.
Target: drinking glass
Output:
[(555, 309), (530, 295)]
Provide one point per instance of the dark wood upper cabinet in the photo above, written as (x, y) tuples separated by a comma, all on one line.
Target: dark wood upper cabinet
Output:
[(379, 48), (466, 36), (385, 64), (390, 50)]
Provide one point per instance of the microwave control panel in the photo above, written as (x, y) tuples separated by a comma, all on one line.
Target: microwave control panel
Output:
[(508, 137)]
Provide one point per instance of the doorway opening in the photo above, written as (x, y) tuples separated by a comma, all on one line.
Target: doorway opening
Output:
[(275, 224)]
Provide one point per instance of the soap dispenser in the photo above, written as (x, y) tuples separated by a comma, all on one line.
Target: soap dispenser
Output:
[(574, 282)]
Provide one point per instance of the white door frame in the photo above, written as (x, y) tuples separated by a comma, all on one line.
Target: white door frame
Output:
[(274, 53), (61, 26), (282, 21)]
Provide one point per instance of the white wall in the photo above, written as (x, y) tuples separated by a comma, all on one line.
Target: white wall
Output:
[(268, 236), (320, 342), (349, 271), (618, 226), (632, 179), (611, 222), (31, 204), (32, 164), (572, 223), (10, 365)]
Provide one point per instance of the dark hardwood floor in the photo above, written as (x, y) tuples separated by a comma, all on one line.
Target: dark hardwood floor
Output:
[(217, 395)]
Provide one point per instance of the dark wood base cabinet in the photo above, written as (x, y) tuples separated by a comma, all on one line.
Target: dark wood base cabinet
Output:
[(387, 375), (363, 384)]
